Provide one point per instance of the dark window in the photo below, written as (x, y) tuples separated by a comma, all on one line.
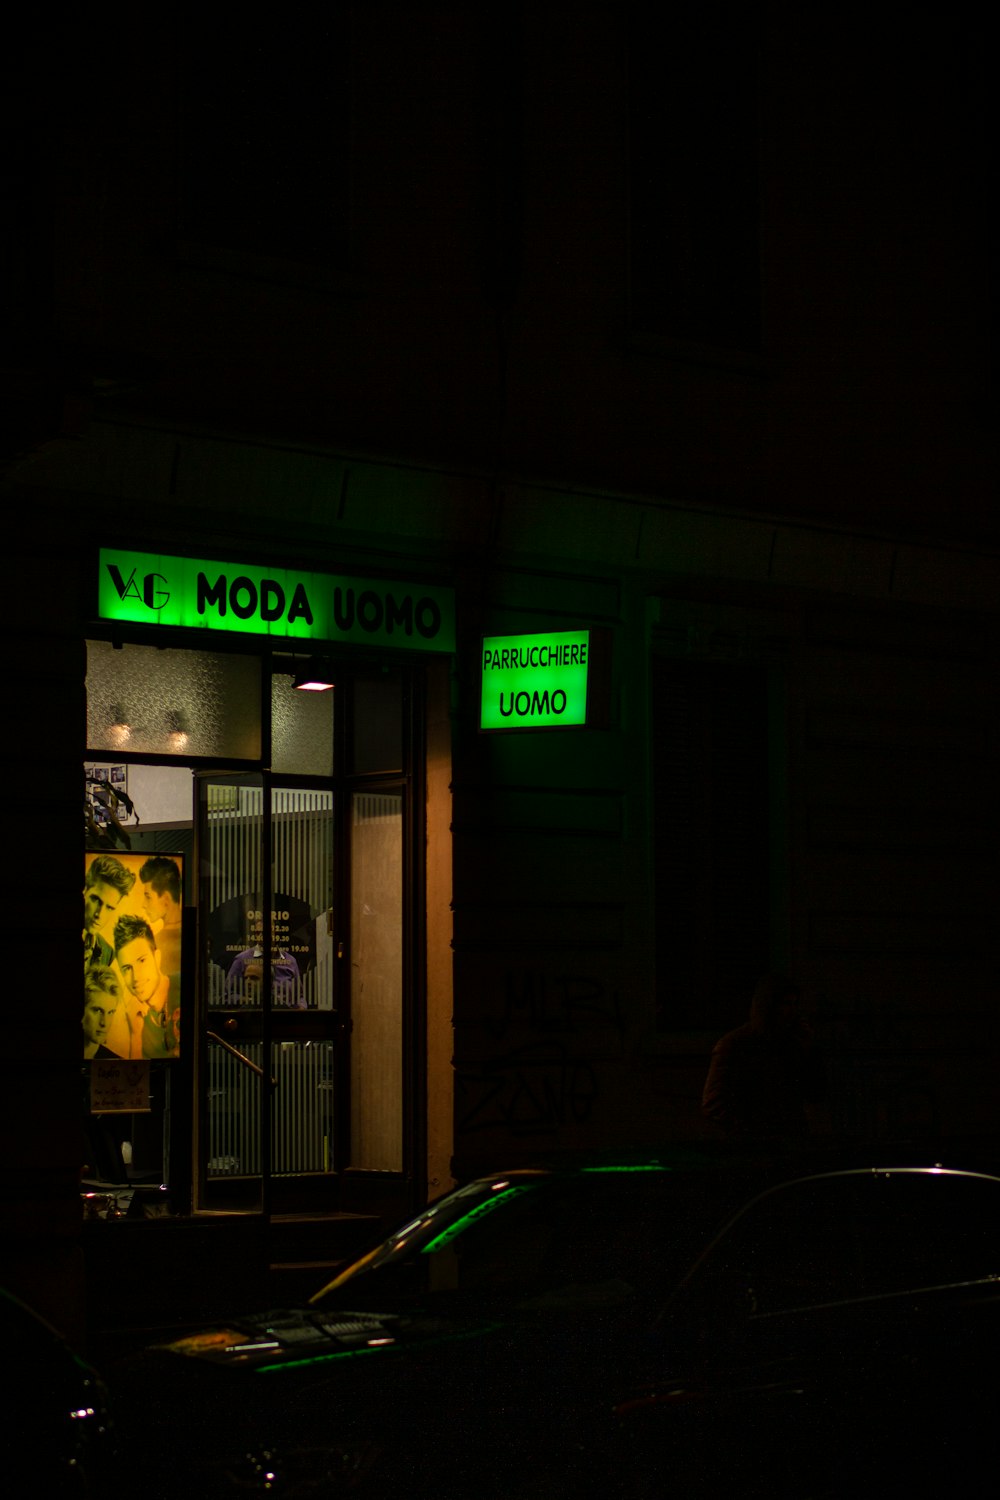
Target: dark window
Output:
[(264, 134), (711, 841), (693, 132)]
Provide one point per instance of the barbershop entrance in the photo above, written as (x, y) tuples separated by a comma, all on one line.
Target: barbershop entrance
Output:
[(291, 1080)]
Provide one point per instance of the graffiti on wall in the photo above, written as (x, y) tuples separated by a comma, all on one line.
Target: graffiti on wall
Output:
[(536, 1088), (554, 1004), (547, 1077)]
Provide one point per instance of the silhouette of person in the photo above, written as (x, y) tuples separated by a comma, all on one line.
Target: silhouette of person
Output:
[(766, 1082)]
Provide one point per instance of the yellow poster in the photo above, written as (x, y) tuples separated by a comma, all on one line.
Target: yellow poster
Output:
[(132, 923)]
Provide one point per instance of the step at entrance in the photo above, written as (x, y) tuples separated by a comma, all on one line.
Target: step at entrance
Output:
[(306, 1250)]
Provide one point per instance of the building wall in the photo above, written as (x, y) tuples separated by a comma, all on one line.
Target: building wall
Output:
[(476, 313), (41, 1136), (465, 385), (883, 652)]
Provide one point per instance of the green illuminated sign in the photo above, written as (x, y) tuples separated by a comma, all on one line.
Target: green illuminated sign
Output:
[(535, 681), (145, 589)]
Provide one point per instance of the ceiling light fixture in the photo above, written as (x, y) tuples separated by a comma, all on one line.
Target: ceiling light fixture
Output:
[(314, 677)]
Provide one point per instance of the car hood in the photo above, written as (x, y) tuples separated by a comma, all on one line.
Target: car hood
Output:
[(285, 1337)]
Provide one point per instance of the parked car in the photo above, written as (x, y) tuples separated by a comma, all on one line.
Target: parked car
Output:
[(626, 1328), (835, 1339), (57, 1434)]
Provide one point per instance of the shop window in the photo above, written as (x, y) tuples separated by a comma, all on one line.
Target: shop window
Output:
[(138, 997), (147, 701), (712, 859), (276, 1082)]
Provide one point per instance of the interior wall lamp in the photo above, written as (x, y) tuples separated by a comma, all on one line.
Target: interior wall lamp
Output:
[(177, 734), (119, 729)]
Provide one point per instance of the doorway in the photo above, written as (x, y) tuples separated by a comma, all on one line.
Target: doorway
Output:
[(302, 1080)]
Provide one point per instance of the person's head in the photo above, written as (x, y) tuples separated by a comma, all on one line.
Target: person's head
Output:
[(105, 884), (138, 959), (102, 996), (161, 888), (777, 1004)]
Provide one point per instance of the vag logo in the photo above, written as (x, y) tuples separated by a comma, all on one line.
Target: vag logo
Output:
[(148, 594)]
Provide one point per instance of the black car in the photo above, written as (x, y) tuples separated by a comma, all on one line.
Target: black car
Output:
[(835, 1339), (57, 1434), (633, 1328)]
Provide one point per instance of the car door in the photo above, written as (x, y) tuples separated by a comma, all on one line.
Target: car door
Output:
[(833, 1322)]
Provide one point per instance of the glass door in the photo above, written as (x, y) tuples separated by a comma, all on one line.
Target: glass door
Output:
[(269, 1060), (231, 1080), (307, 1033)]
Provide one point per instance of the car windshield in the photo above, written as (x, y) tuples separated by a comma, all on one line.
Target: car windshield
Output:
[(600, 1234)]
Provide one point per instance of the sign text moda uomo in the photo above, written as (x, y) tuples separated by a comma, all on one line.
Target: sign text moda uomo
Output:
[(535, 681), (146, 589)]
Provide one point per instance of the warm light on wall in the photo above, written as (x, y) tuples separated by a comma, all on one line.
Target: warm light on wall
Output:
[(119, 730), (177, 735)]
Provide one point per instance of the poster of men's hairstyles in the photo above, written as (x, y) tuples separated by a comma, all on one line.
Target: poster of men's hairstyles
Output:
[(133, 908)]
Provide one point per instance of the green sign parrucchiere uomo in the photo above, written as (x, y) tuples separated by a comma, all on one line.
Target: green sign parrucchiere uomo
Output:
[(147, 589), (535, 681)]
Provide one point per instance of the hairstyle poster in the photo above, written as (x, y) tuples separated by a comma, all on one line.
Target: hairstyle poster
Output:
[(132, 915)]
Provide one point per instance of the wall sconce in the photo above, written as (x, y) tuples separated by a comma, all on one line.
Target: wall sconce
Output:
[(314, 677), (177, 735)]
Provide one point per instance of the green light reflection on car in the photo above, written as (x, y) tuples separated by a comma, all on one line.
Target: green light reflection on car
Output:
[(459, 1226), (649, 1166)]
